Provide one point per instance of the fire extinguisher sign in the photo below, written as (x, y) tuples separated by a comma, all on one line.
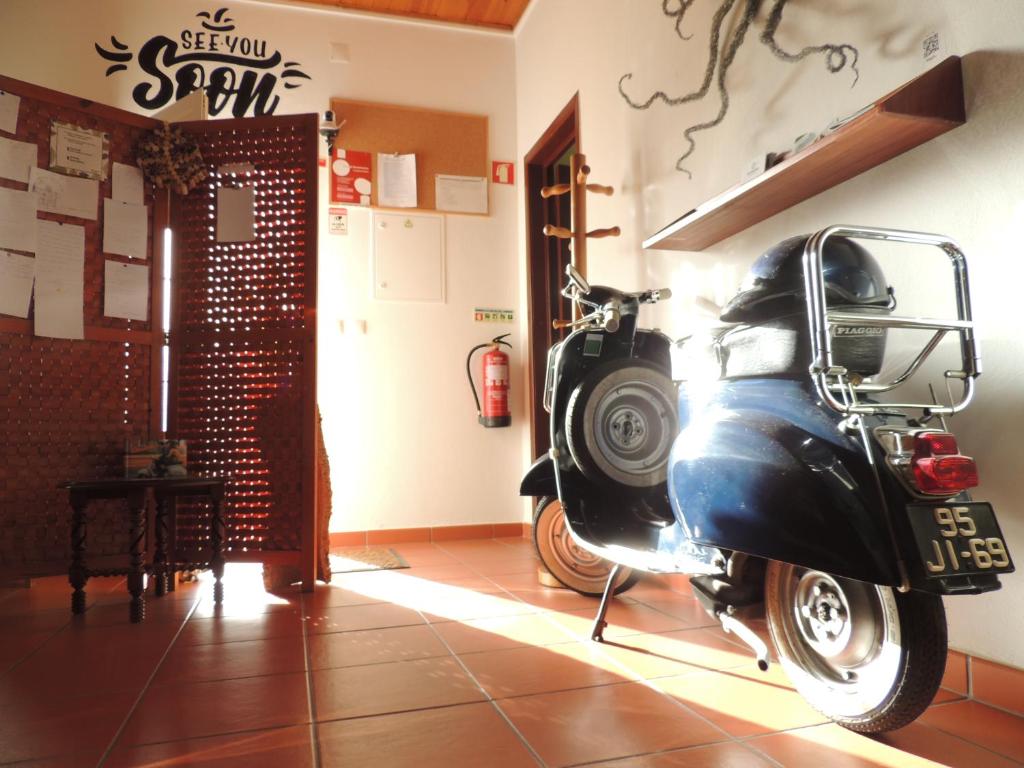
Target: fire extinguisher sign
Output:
[(486, 315), (502, 172)]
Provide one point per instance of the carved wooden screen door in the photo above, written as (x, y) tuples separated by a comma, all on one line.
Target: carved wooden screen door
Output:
[(243, 339)]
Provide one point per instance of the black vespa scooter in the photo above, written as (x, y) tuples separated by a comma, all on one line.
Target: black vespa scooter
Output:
[(791, 488)]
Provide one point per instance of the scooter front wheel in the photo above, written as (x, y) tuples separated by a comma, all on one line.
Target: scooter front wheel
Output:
[(865, 656), (570, 564)]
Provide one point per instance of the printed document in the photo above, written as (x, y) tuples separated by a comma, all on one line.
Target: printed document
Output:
[(126, 185), (396, 185), (125, 290), (16, 275), (16, 158), (60, 281), (17, 220), (66, 195), (125, 228)]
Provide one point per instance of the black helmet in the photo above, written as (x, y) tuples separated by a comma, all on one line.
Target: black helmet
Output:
[(774, 286)]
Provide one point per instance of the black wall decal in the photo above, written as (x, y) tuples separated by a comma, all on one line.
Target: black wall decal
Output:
[(240, 74)]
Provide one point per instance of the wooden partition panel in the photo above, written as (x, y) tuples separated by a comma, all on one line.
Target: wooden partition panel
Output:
[(67, 406), (244, 339)]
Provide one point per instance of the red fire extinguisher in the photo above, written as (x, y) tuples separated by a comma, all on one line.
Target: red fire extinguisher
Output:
[(494, 412)]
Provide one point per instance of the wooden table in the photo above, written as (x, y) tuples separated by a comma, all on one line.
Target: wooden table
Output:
[(134, 491)]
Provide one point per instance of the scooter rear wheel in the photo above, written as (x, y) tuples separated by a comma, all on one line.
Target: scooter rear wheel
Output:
[(570, 564), (621, 423), (865, 656)]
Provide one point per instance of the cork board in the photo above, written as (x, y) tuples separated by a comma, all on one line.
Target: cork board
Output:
[(443, 142)]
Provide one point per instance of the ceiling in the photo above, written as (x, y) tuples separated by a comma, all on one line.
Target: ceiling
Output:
[(495, 14)]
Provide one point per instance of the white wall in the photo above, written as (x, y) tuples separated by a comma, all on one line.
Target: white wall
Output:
[(399, 421), (967, 184)]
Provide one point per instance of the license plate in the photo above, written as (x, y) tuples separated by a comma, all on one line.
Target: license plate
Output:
[(959, 539)]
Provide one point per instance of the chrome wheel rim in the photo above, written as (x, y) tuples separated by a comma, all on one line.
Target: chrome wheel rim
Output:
[(634, 428), (572, 557), (843, 636)]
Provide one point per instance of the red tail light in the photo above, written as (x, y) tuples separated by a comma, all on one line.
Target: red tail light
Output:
[(938, 466)]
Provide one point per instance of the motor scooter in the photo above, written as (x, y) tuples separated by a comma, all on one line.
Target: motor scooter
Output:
[(791, 489)]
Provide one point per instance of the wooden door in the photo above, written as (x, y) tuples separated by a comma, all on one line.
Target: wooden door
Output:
[(547, 163)]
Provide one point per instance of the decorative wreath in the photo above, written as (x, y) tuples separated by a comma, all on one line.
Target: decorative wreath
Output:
[(170, 158)]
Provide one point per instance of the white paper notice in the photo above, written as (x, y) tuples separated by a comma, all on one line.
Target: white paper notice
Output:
[(461, 194), (127, 184), (396, 185), (236, 215), (9, 104), (16, 275), (60, 281), (16, 159), (125, 290), (125, 228), (17, 220), (66, 195), (77, 150)]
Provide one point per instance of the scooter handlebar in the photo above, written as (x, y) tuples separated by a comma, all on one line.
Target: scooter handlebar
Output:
[(655, 295)]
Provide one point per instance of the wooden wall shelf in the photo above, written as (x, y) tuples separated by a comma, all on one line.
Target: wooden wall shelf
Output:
[(919, 111)]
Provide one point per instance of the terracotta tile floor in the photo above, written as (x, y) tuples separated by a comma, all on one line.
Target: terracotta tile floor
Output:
[(460, 660)]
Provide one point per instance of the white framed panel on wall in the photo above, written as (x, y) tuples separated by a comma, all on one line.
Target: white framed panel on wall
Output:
[(408, 257)]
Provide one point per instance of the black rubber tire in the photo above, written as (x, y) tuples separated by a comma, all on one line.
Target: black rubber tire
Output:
[(908, 682), (605, 412), (572, 567)]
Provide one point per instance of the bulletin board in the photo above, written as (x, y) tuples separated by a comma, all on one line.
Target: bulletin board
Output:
[(443, 142), (67, 406)]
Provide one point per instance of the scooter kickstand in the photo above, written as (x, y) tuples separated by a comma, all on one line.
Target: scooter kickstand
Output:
[(748, 636), (597, 633)]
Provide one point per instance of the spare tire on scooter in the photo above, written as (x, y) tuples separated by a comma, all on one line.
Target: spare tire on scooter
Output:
[(621, 423)]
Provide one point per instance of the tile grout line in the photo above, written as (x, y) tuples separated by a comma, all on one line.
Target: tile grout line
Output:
[(147, 684), (969, 665), (314, 731), (964, 739), (742, 742), (632, 677), (68, 621), (490, 699)]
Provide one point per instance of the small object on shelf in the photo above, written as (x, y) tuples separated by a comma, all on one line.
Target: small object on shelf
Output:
[(924, 108), (155, 458)]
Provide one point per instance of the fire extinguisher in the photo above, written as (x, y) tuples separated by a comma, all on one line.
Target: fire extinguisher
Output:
[(495, 411)]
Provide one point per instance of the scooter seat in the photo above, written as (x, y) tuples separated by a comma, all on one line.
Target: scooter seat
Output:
[(778, 347)]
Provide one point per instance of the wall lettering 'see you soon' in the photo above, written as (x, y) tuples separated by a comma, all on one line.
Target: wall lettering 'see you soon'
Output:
[(240, 74)]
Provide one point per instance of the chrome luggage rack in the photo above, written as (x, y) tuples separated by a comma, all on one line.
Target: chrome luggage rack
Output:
[(837, 387)]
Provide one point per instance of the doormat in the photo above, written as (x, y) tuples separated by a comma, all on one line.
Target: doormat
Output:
[(366, 559)]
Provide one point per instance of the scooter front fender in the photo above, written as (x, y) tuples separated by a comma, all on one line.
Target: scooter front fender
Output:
[(539, 479), (755, 482)]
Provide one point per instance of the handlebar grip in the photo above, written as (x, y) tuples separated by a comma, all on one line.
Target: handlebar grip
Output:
[(611, 320)]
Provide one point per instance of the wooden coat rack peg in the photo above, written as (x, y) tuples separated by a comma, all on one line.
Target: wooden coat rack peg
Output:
[(577, 189)]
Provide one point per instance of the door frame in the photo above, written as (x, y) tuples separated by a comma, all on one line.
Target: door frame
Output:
[(552, 144)]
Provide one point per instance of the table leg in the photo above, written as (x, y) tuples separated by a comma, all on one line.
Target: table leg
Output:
[(160, 555), (77, 574), (217, 535), (136, 572)]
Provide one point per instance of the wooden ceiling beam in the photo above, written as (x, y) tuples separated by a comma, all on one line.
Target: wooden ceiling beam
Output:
[(499, 14)]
